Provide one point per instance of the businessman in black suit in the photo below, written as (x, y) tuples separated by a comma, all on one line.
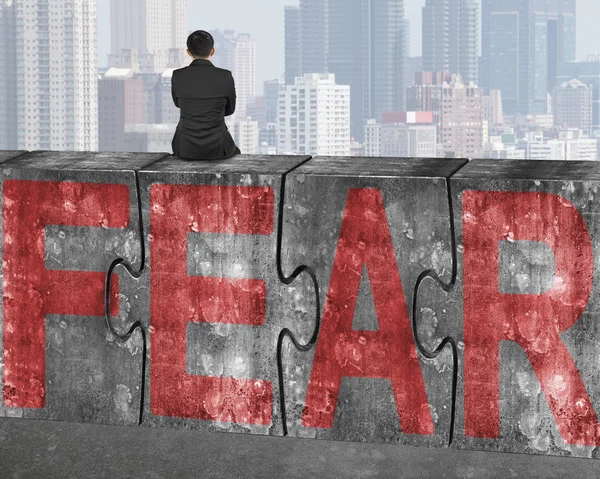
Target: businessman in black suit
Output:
[(206, 95)]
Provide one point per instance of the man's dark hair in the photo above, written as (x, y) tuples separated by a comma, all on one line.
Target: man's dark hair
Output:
[(200, 44)]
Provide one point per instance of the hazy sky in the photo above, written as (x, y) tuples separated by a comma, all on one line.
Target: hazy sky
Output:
[(264, 20)]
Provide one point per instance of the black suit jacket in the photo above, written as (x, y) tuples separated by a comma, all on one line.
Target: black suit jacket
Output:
[(206, 95)]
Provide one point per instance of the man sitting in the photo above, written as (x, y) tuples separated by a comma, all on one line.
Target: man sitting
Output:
[(206, 95)]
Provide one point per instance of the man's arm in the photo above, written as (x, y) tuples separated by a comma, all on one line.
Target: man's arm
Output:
[(231, 98), (175, 100)]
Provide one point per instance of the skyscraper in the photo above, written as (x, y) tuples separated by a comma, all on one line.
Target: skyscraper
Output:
[(314, 27), (523, 43), (53, 105), (149, 29), (236, 52), (450, 34), (292, 44), (461, 119), (365, 51), (8, 79)]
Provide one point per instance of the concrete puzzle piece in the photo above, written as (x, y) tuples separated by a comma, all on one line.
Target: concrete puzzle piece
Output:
[(6, 155), (368, 227), (210, 295), (524, 310), (66, 217)]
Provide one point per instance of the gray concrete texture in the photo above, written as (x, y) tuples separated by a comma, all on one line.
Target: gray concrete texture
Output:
[(524, 307), (35, 449), (60, 360), (368, 227), (201, 294), (210, 295)]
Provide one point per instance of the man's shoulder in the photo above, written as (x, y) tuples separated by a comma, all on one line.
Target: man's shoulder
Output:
[(223, 71), (189, 68)]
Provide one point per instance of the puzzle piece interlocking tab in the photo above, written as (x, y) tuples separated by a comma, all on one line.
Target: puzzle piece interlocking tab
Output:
[(368, 227), (210, 296), (526, 306), (65, 217)]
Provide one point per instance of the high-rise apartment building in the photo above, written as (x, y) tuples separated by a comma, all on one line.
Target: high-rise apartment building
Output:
[(8, 79), (523, 43), (573, 106), (236, 52), (450, 35), (589, 73), (144, 32), (49, 46), (461, 119), (314, 117), (365, 51), (246, 136)]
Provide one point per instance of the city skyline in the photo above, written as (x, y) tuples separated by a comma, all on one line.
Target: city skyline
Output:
[(268, 24)]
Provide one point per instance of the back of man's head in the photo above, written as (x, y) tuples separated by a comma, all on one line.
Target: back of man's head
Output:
[(200, 44)]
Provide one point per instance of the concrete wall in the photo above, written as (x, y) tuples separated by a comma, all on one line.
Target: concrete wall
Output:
[(425, 301)]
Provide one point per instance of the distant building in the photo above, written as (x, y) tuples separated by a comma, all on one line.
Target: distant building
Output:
[(148, 35), (9, 139), (573, 106), (581, 149), (257, 111), (271, 90), (246, 136), (365, 51), (564, 145), (49, 93), (461, 119), (403, 140), (120, 103), (450, 37), (269, 137), (523, 42), (372, 143), (530, 122), (539, 148), (314, 117), (426, 95), (402, 135), (492, 108), (587, 72), (169, 113), (236, 52), (314, 35), (146, 138), (292, 44), (356, 148), (413, 66)]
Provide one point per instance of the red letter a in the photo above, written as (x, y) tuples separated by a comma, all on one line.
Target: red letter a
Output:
[(387, 353)]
